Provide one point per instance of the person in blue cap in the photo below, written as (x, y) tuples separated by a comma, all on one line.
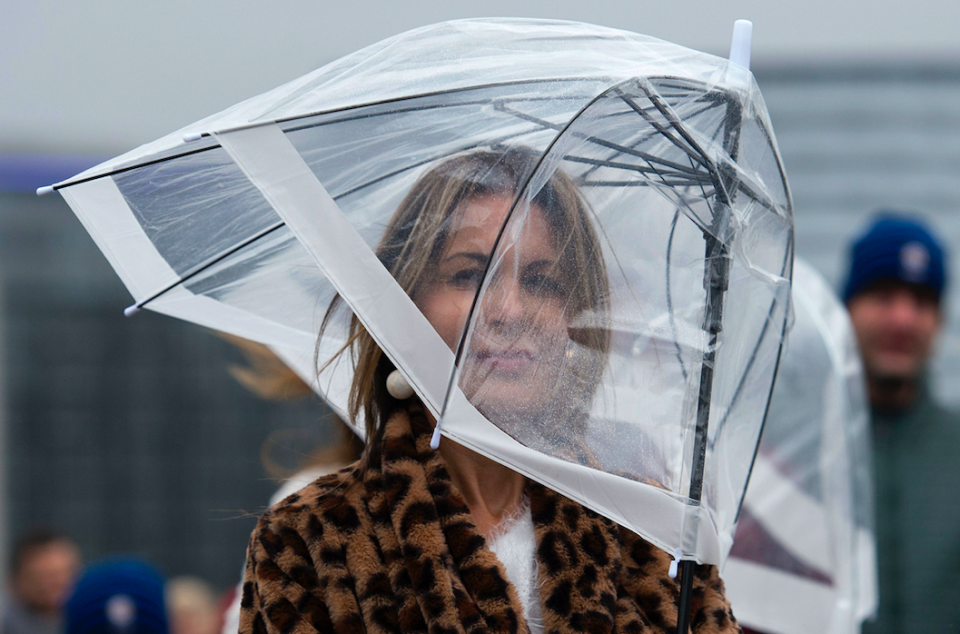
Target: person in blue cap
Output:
[(120, 595), (894, 292)]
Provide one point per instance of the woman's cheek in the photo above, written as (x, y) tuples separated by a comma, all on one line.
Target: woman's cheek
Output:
[(447, 313), (457, 320)]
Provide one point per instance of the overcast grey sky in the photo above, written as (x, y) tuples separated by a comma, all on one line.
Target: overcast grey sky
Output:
[(107, 75)]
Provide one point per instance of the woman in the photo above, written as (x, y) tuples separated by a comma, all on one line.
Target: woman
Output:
[(413, 540)]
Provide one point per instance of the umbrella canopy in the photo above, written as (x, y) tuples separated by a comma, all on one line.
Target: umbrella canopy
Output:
[(804, 560), (622, 203)]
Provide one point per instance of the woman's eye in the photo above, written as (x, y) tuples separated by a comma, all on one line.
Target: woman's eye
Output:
[(466, 278), (543, 285)]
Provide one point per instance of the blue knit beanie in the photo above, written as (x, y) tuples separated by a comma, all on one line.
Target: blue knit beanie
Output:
[(896, 246), (118, 596)]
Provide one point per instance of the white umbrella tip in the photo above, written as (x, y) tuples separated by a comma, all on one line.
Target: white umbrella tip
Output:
[(192, 136), (741, 43), (130, 311), (677, 554), (43, 191)]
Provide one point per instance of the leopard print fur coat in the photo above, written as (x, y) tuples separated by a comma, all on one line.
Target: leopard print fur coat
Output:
[(394, 549)]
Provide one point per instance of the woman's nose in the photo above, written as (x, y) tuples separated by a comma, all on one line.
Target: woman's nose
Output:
[(505, 303)]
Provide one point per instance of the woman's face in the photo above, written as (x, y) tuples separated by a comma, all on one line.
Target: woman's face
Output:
[(516, 353)]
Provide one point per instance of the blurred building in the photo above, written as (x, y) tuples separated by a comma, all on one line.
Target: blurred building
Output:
[(129, 435)]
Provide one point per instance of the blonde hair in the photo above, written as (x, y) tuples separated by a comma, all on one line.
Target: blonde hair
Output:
[(417, 234), (265, 374)]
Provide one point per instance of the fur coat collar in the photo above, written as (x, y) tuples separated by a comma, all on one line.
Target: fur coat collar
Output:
[(394, 549)]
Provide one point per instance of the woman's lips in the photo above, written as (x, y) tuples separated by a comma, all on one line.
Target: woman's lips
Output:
[(506, 362)]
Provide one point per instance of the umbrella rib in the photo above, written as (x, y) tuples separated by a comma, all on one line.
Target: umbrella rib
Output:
[(754, 196), (616, 153), (741, 185), (783, 175), (541, 124), (196, 270), (665, 109), (490, 142), (709, 199), (643, 138), (651, 169), (549, 125), (128, 168), (712, 102), (603, 143), (694, 172), (420, 108), (437, 93), (675, 123), (716, 133), (585, 175), (660, 127), (616, 183)]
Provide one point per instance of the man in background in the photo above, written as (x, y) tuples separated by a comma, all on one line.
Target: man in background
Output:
[(43, 567), (894, 293)]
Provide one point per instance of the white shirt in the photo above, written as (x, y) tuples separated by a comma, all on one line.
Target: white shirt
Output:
[(515, 545)]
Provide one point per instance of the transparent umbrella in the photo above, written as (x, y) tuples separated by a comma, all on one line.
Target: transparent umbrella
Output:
[(624, 317), (804, 555)]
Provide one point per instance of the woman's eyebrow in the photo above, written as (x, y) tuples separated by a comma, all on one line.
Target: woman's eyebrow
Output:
[(475, 256), (539, 264)]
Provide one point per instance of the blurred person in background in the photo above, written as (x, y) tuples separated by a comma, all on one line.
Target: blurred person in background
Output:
[(120, 595), (43, 567), (192, 606), (894, 293)]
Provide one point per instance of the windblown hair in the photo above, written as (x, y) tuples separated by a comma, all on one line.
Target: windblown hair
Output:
[(269, 378), (417, 235)]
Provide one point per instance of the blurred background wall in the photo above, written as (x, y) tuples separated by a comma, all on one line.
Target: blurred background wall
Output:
[(129, 434)]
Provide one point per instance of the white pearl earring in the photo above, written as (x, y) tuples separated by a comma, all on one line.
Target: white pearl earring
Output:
[(398, 386)]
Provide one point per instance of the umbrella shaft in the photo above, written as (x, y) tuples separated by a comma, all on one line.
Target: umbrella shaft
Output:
[(716, 274), (686, 594)]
